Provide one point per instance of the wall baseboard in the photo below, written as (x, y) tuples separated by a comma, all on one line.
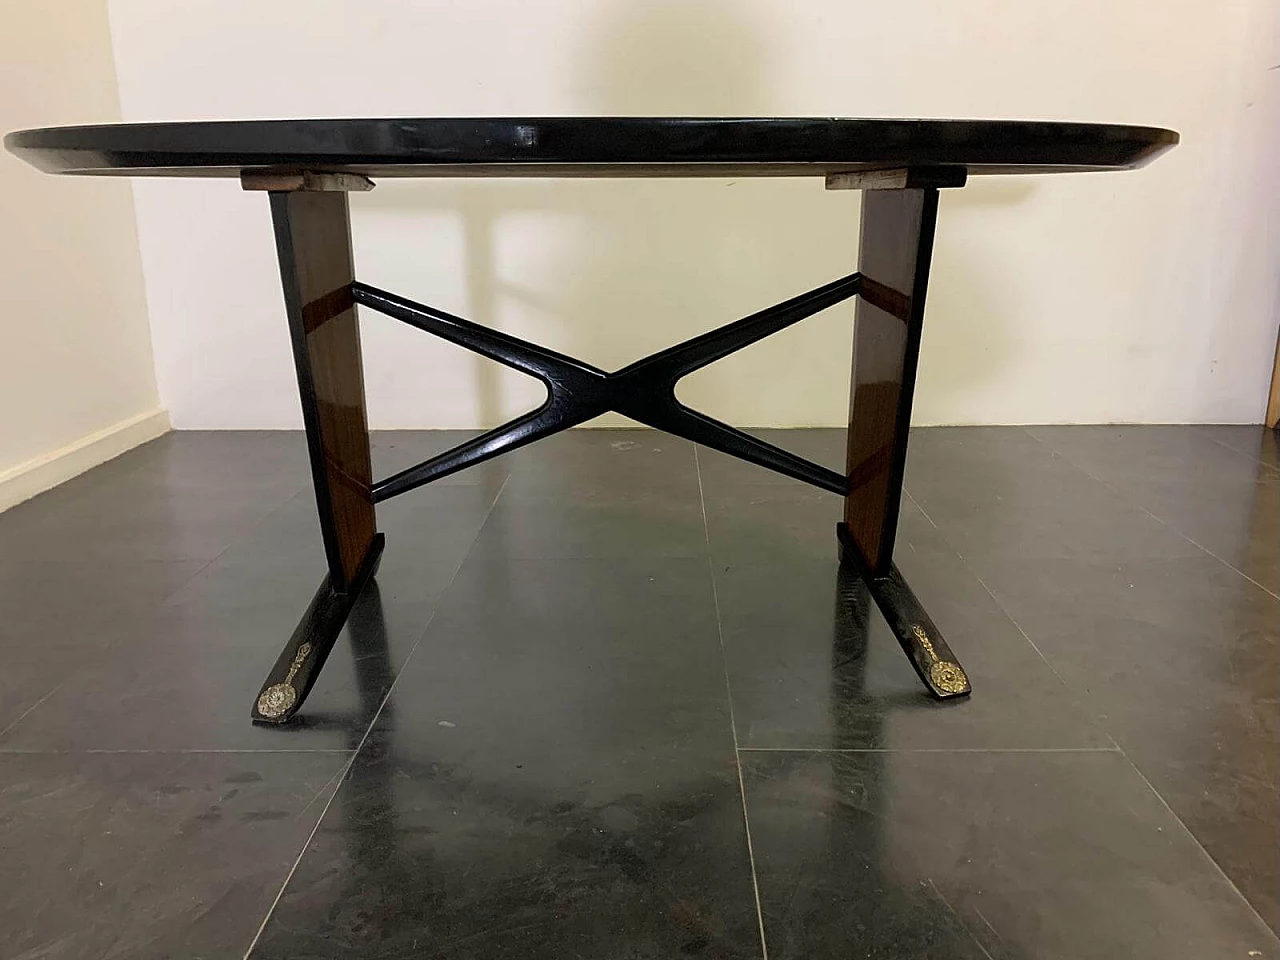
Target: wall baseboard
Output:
[(58, 466)]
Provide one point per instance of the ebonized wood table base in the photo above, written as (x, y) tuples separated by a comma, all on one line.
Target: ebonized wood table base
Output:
[(313, 239)]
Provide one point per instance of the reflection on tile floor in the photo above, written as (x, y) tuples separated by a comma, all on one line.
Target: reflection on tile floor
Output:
[(556, 778), (535, 736), (999, 855)]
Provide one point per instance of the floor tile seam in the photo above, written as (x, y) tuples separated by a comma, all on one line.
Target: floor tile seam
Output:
[(962, 921), (118, 631), (973, 572), (1133, 501), (1118, 747), (1196, 543), (163, 751), (27, 712), (1074, 696), (346, 771), (333, 784), (733, 726), (854, 750), (341, 778), (1275, 935), (1200, 429), (115, 631), (444, 591), (164, 603)]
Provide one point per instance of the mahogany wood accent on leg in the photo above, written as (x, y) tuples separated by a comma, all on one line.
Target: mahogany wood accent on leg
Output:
[(313, 239), (896, 246)]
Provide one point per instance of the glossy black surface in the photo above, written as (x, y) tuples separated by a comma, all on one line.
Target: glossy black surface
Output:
[(592, 146), (917, 634), (576, 652), (644, 391), (303, 657)]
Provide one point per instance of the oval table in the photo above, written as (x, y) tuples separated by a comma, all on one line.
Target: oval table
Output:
[(308, 167)]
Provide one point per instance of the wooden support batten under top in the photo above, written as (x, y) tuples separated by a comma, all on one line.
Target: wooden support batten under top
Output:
[(307, 180), (898, 178)]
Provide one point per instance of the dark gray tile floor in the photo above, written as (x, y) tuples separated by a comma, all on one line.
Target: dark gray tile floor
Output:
[(585, 662)]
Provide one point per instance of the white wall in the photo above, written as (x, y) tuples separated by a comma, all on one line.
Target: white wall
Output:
[(76, 378), (1147, 296)]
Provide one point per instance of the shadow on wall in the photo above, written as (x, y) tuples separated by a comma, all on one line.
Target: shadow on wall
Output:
[(609, 271)]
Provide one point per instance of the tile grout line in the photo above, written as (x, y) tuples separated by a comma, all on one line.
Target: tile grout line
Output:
[(1116, 492), (22, 716), (335, 781), (369, 729), (1111, 749), (1115, 748), (116, 638), (1201, 546), (163, 604), (994, 599), (1069, 688), (1275, 936), (1116, 745), (960, 920), (20, 751), (229, 547), (733, 725), (1199, 428), (1126, 498), (345, 772), (160, 605)]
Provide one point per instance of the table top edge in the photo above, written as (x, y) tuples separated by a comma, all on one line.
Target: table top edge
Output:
[(606, 146)]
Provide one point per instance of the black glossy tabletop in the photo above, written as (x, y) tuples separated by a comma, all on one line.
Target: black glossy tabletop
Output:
[(586, 146)]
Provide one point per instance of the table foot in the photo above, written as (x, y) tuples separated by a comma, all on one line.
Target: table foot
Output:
[(295, 672), (924, 646)]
